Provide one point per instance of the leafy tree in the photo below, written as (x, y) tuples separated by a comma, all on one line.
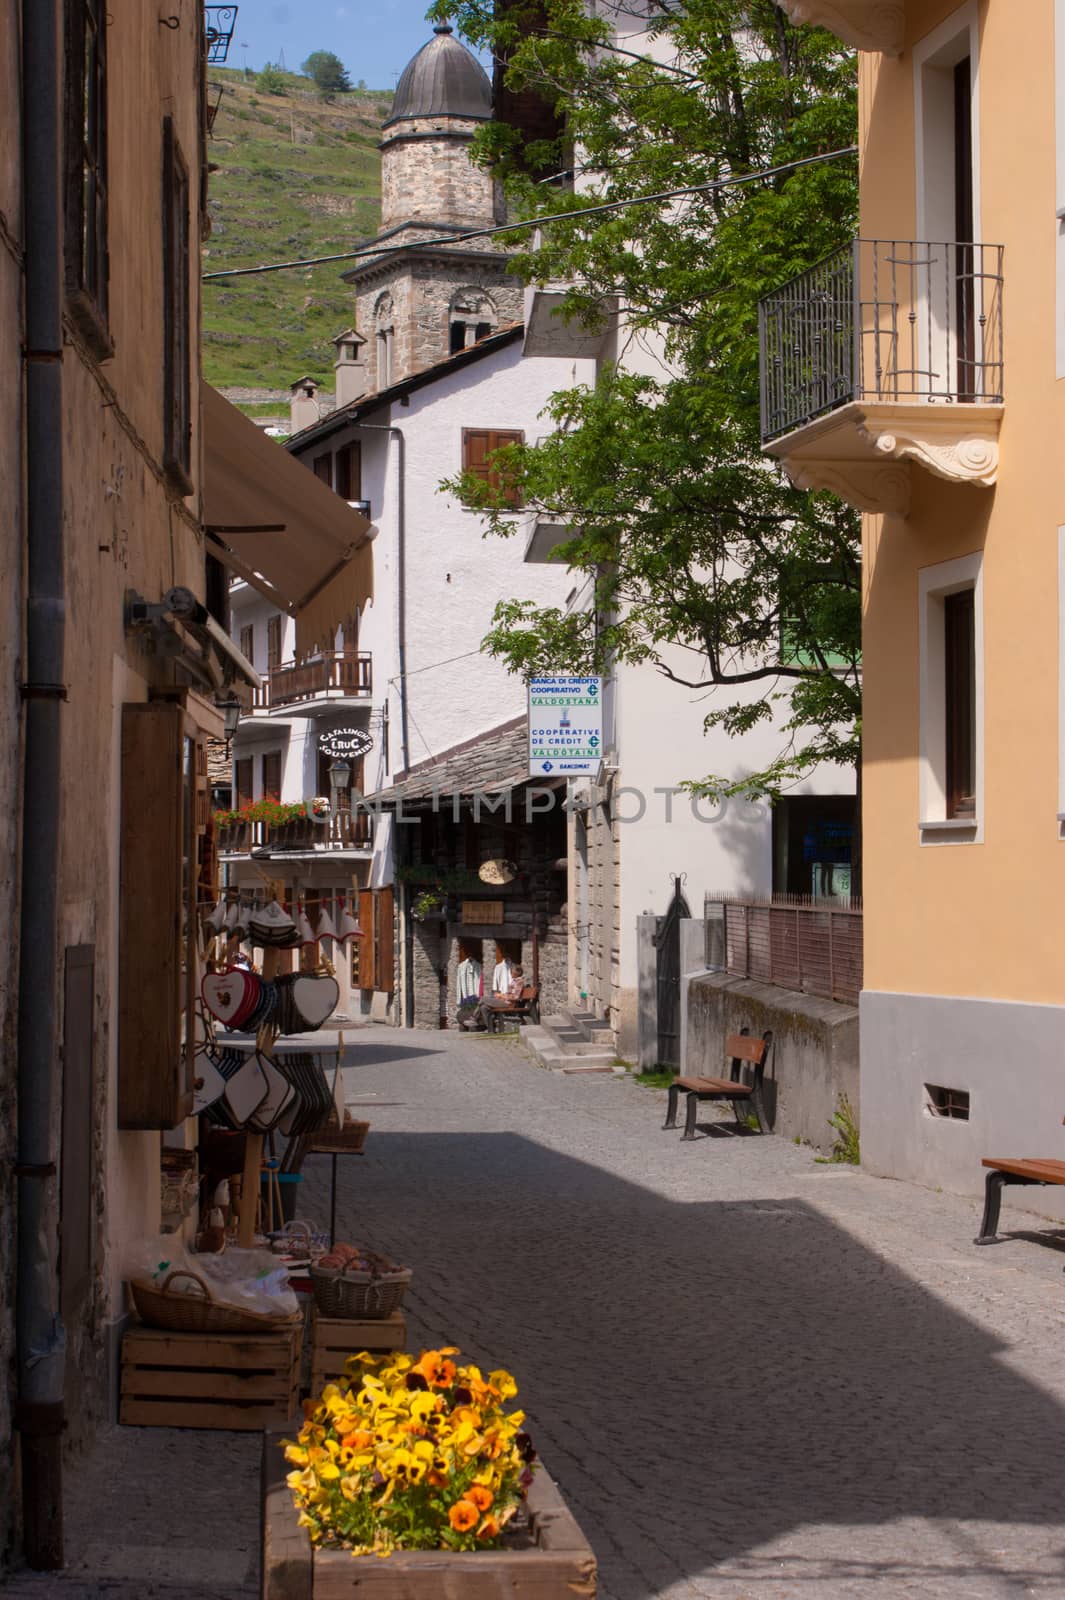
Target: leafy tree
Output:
[(328, 72), (701, 556), (271, 80)]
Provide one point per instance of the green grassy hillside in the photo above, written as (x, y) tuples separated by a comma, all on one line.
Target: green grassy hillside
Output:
[(297, 176)]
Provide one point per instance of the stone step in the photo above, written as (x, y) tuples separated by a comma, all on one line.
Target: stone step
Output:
[(557, 1058)]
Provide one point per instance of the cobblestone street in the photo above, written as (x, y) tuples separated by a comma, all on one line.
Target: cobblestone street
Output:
[(755, 1377)]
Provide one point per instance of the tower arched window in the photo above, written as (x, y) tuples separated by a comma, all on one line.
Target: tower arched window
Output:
[(471, 316)]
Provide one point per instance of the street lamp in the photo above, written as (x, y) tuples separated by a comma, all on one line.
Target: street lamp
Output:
[(230, 709), (339, 782)]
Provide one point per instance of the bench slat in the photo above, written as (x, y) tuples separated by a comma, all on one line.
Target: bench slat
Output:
[(745, 1047), (1043, 1171), (723, 1086)]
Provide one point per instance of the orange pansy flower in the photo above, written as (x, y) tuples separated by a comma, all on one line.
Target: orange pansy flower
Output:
[(463, 1516), (481, 1497), (489, 1529)]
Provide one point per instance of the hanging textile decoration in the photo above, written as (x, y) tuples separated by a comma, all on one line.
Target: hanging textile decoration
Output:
[(347, 927), (272, 927), (326, 926), (308, 938)]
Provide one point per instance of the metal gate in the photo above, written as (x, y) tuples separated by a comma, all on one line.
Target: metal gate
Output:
[(667, 947)]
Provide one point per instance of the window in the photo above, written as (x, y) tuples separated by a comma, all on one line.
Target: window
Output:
[(242, 782), (959, 673), (386, 346), (478, 447), (348, 475), (86, 265), (457, 338), (177, 391), (247, 642), (323, 469), (951, 765), (273, 641), (272, 775), (482, 330)]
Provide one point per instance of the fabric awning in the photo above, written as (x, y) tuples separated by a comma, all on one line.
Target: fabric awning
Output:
[(276, 525)]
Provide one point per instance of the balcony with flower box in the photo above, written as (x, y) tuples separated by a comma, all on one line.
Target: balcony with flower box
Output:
[(267, 828), (885, 356), (336, 680)]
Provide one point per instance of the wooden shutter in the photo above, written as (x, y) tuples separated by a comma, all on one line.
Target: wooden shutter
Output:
[(177, 392), (154, 1085), (273, 641), (385, 931), (242, 772), (272, 774), (366, 943), (349, 471), (247, 642), (323, 468), (478, 446)]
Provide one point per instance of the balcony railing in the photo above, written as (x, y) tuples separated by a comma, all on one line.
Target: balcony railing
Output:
[(219, 22), (338, 674), (883, 320), (810, 948), (343, 830)]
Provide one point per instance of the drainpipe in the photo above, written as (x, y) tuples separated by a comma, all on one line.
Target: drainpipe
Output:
[(40, 1336), (401, 576)]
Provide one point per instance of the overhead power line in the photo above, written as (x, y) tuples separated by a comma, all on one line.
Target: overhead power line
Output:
[(533, 222)]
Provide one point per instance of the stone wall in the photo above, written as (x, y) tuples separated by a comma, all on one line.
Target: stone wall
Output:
[(426, 172), (428, 956), (814, 1059), (595, 873), (419, 290)]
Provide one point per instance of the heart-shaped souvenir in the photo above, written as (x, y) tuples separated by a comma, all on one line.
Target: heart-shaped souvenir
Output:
[(225, 994), (315, 999)]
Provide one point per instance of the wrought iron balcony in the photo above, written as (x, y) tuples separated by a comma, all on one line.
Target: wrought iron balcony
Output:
[(889, 351), (325, 679), (219, 22)]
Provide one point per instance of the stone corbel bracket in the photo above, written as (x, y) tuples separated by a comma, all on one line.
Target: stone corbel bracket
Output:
[(954, 442), (869, 486), (866, 24)]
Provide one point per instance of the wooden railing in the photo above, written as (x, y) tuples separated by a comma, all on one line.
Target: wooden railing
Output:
[(812, 947), (344, 830), (337, 673)]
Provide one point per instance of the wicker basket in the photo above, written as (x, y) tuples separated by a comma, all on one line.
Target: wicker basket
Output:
[(332, 1140), (194, 1313), (358, 1294)]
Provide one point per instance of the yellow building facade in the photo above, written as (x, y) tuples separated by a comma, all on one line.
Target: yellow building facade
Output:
[(920, 377)]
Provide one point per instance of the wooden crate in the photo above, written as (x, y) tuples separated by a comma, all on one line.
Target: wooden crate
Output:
[(219, 1380), (333, 1339)]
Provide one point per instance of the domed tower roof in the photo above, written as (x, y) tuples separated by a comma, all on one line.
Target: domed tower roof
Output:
[(443, 80)]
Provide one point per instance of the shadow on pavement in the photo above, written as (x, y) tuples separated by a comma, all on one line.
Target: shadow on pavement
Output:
[(704, 1379)]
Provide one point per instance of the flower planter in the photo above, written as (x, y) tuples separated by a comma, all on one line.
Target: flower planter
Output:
[(557, 1565), (234, 838)]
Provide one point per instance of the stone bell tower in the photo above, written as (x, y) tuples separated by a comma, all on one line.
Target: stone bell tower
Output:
[(416, 307)]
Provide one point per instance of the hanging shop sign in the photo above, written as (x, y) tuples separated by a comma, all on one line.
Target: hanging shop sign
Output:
[(497, 872), (345, 744), (565, 726)]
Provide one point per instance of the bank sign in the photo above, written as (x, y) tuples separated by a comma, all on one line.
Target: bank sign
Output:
[(565, 726)]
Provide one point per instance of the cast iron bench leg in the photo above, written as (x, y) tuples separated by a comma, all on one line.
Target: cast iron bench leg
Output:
[(671, 1108), (996, 1182), (992, 1207), (692, 1113)]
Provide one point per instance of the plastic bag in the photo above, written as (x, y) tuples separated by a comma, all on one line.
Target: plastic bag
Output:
[(251, 1280)]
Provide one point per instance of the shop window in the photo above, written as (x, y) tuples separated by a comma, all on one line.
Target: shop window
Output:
[(86, 241), (813, 842), (177, 390), (951, 653), (478, 449)]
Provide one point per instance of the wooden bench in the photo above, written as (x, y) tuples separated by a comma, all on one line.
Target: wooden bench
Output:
[(739, 1047), (523, 1008), (1009, 1169)]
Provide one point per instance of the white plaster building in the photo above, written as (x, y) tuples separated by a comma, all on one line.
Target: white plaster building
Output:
[(633, 832)]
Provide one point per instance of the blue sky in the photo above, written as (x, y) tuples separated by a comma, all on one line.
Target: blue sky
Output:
[(374, 38)]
